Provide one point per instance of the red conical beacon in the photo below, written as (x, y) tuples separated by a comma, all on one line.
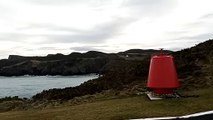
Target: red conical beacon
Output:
[(162, 77)]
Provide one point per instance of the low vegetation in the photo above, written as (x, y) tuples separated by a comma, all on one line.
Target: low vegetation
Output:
[(117, 107)]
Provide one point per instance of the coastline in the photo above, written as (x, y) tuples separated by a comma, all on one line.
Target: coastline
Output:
[(24, 84)]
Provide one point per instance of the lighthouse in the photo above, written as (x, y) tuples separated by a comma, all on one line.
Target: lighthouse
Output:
[(162, 78)]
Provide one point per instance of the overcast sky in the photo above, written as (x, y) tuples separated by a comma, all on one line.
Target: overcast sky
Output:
[(41, 27)]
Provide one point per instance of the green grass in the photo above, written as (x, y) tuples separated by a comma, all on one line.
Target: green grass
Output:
[(119, 108)]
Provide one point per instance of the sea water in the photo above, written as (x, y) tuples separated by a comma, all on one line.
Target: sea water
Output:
[(27, 86)]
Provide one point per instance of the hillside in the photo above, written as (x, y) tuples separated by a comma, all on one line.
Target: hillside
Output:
[(72, 64), (194, 67), (58, 64)]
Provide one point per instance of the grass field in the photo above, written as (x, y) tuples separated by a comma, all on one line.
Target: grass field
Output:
[(119, 108)]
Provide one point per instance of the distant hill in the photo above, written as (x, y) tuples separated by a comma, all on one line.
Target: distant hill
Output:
[(59, 64), (140, 53), (55, 64), (143, 51)]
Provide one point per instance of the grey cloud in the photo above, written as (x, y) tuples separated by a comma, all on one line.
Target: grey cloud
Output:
[(191, 39), (85, 48), (49, 2), (177, 33), (50, 48), (42, 48), (203, 21), (12, 37), (20, 38), (68, 2), (6, 12), (183, 39), (210, 15), (51, 27), (98, 34), (194, 24), (175, 36), (150, 8), (94, 47), (202, 37)]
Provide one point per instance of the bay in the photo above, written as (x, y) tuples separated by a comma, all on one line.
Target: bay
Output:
[(27, 86)]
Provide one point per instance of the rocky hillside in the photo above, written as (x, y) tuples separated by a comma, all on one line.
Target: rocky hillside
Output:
[(194, 67), (58, 64)]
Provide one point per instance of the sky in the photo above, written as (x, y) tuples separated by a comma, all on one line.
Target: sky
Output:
[(41, 27)]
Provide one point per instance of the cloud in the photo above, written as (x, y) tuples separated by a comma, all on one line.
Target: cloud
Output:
[(55, 2), (177, 32), (52, 34), (209, 15), (150, 8), (189, 36), (13, 37), (184, 40), (200, 37), (48, 27), (93, 4), (85, 48), (99, 34), (4, 10), (133, 8)]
